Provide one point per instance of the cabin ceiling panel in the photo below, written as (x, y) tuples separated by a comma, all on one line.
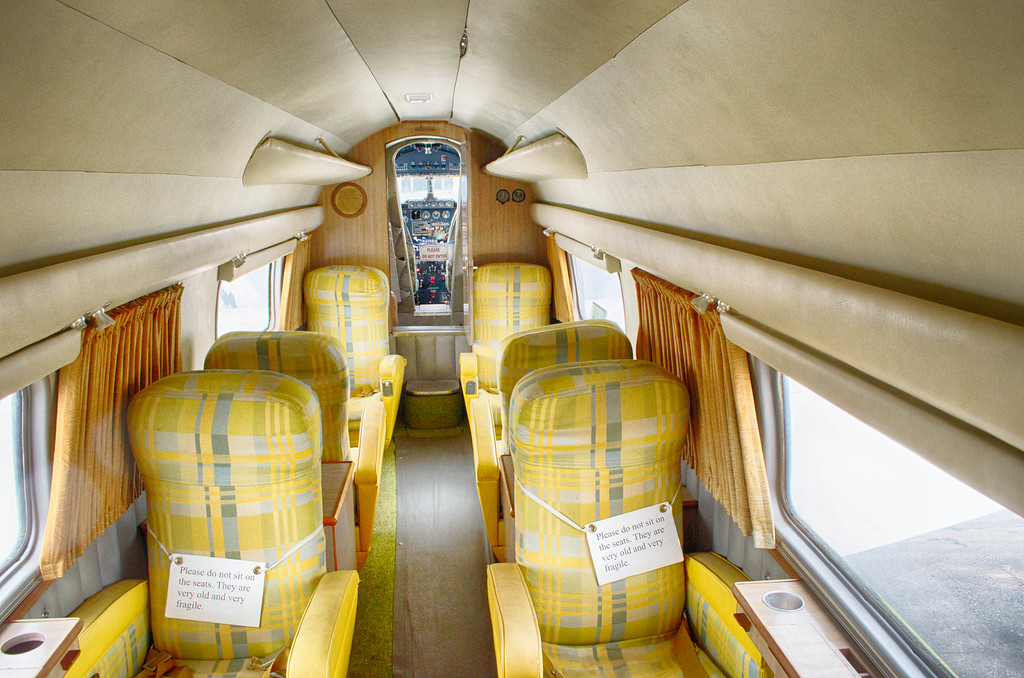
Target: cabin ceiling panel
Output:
[(524, 55), (293, 55), (744, 82), (410, 46), (54, 216), (80, 96), (944, 226)]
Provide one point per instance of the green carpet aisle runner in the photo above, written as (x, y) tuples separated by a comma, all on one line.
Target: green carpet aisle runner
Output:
[(371, 644)]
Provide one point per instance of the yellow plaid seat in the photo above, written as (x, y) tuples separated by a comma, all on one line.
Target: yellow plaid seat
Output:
[(710, 605), (317, 360), (351, 303), (643, 658), (231, 466), (115, 631), (592, 440), (519, 354), (507, 298)]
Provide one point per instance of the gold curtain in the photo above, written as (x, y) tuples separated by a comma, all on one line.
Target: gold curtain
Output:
[(723, 446), (94, 475), (561, 283), (296, 265)]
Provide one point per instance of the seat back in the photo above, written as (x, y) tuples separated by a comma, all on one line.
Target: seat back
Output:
[(710, 608), (572, 342), (231, 466), (507, 298), (595, 440), (350, 303), (315, 359)]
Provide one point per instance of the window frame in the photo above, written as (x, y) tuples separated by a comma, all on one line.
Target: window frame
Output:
[(274, 284), (20, 439), (884, 643), (572, 261), (37, 404)]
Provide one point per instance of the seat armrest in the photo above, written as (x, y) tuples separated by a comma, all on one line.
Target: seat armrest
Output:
[(484, 445), (369, 462), (108, 618), (369, 455), (392, 380), (517, 648), (323, 641), (485, 461)]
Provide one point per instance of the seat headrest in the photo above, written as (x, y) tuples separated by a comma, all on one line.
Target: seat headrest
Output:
[(504, 286), (572, 342), (354, 286), (609, 413), (224, 428)]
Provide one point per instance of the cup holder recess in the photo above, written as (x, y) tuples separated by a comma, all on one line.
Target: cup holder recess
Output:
[(26, 642), (783, 601)]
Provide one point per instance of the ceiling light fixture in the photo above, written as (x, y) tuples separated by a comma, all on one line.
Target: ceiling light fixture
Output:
[(418, 97)]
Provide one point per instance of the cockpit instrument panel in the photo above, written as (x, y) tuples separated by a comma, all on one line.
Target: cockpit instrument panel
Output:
[(428, 180), (422, 158)]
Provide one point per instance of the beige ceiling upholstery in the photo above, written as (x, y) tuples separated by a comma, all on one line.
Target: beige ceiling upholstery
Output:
[(292, 55), (728, 83), (411, 47), (881, 140), (524, 55)]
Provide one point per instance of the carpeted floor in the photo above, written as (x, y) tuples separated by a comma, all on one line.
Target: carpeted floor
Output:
[(441, 624), (371, 644)]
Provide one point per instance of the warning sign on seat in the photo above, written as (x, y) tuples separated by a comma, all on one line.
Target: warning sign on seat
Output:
[(633, 543), (216, 590)]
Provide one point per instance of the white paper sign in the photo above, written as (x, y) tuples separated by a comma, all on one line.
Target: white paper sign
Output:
[(433, 252), (633, 543), (217, 590)]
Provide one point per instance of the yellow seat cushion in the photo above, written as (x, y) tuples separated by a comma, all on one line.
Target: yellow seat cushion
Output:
[(115, 631), (351, 304), (507, 298), (638, 658), (315, 359), (710, 605)]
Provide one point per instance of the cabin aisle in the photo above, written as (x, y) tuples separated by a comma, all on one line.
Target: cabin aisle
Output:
[(441, 624)]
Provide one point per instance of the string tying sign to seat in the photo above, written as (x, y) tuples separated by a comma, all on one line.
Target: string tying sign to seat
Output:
[(627, 544), (219, 590)]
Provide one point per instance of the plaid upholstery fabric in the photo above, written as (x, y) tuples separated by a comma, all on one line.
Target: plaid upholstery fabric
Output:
[(231, 465), (595, 440), (351, 303), (642, 658), (710, 666), (315, 359), (710, 605), (223, 668), (116, 624), (507, 298), (125, 657), (638, 658), (573, 342)]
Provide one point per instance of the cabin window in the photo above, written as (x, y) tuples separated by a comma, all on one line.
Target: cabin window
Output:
[(249, 303), (943, 563), (14, 526), (598, 293)]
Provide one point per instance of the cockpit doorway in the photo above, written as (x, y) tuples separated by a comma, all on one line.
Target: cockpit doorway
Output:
[(427, 195)]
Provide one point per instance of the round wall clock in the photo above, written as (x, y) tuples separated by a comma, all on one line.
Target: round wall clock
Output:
[(348, 200)]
